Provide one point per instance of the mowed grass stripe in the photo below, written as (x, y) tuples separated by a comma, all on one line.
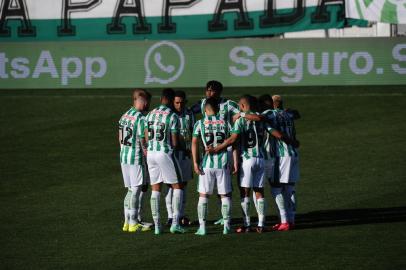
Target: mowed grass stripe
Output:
[(61, 189)]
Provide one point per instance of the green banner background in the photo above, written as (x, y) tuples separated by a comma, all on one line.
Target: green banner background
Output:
[(239, 62)]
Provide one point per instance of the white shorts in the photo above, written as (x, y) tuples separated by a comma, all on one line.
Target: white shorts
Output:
[(185, 164), (133, 175), (252, 173), (286, 170), (163, 168), (211, 176)]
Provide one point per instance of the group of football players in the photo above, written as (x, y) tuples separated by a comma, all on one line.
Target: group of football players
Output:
[(254, 139)]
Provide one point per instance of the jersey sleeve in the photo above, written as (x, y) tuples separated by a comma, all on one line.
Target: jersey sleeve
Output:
[(237, 128), (196, 129), (174, 124), (141, 127), (233, 107)]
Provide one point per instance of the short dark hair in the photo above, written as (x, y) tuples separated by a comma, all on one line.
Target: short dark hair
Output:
[(180, 94), (168, 93), (149, 96), (252, 102), (213, 103), (264, 102), (215, 85)]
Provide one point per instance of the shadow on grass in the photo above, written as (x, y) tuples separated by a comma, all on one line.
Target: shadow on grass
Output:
[(338, 217), (344, 217)]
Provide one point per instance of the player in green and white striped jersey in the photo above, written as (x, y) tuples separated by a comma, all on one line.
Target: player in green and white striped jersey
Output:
[(183, 155), (227, 108), (211, 131), (131, 138), (162, 128), (285, 170), (250, 135)]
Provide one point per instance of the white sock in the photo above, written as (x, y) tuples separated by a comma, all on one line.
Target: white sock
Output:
[(176, 205), (245, 206), (202, 208), (155, 196), (290, 199), (280, 203), (133, 211), (261, 212), (127, 206), (226, 211), (168, 202), (182, 206), (141, 199), (254, 199)]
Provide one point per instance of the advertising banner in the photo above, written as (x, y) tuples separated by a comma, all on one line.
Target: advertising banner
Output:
[(235, 62), (388, 11), (84, 20)]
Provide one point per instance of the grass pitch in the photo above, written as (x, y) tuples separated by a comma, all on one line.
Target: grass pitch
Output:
[(61, 189)]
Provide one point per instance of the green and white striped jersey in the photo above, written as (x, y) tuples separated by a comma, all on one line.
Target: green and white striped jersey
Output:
[(161, 122), (252, 135), (284, 122), (227, 109), (213, 130), (131, 128), (186, 124)]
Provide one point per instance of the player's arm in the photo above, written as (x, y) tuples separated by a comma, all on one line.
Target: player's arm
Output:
[(229, 141), (235, 159), (120, 134), (195, 156), (249, 116), (175, 131), (280, 136), (175, 140)]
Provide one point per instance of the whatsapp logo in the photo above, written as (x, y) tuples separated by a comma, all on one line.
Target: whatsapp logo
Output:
[(164, 63), (391, 11)]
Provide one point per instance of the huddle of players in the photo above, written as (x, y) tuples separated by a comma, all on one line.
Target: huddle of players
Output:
[(255, 139)]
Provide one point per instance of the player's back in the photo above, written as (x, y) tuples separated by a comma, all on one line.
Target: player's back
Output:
[(227, 108), (131, 128), (213, 130), (161, 122), (284, 122), (252, 135)]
